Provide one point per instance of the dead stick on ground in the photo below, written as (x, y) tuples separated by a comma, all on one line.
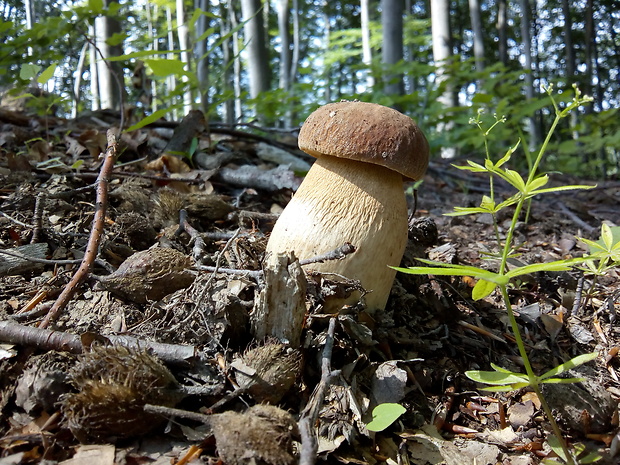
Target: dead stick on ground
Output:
[(310, 414), (96, 232)]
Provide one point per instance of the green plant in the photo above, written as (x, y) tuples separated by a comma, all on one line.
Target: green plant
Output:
[(383, 415), (604, 254), (489, 281)]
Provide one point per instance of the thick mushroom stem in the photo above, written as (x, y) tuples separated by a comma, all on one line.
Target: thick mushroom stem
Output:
[(341, 201)]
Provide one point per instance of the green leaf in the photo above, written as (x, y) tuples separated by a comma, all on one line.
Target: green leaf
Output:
[(165, 67), (558, 265), (150, 119), (482, 289), (383, 415), (514, 178), (461, 211), (502, 369), (487, 203), (560, 189), (569, 365), (29, 71), (607, 236), (47, 74), (509, 153), (116, 39), (496, 377), (95, 6), (562, 380), (538, 183)]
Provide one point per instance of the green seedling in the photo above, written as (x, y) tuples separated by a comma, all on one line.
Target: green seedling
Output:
[(489, 281), (383, 415)]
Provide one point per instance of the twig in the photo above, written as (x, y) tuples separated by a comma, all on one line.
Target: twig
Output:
[(256, 274), (45, 339), (211, 278), (336, 254), (575, 219), (199, 243), (92, 249), (169, 412), (578, 293), (310, 414), (43, 261), (37, 219), (16, 221)]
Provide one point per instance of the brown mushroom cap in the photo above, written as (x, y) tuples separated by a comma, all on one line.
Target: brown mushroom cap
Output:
[(366, 132)]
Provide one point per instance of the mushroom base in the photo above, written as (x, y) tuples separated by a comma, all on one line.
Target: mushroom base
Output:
[(347, 201)]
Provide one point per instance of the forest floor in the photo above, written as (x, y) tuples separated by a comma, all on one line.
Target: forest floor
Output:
[(415, 353)]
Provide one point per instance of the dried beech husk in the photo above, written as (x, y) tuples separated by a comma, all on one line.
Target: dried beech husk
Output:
[(262, 435), (275, 367), (150, 275), (113, 384)]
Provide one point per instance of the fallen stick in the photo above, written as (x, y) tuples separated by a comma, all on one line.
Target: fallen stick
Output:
[(92, 249), (46, 339)]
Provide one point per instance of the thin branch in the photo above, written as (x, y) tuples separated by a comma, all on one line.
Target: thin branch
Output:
[(92, 249), (310, 414)]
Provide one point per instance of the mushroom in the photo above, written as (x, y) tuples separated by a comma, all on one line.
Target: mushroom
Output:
[(354, 193)]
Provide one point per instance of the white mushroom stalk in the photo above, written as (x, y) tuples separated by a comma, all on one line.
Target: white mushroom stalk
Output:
[(354, 193)]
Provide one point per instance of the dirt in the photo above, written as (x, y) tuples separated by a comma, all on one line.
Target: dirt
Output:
[(184, 297)]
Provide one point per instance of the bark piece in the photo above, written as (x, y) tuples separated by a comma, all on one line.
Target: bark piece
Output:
[(280, 307)]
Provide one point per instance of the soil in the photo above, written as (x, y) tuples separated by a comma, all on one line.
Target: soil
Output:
[(164, 316)]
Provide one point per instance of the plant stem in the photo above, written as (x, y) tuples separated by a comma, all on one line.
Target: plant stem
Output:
[(533, 378)]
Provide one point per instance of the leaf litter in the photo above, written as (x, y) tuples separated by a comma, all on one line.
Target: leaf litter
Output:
[(150, 285)]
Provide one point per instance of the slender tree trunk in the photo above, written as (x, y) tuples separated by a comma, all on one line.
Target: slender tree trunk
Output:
[(366, 51), (29, 7), (183, 33), (258, 56), (326, 42), (589, 49), (202, 62), (570, 60), (526, 27), (237, 61), (501, 32), (77, 85), (392, 22), (109, 72), (476, 26), (296, 43), (442, 50), (228, 57), (285, 44), (171, 81), (95, 103), (150, 14)]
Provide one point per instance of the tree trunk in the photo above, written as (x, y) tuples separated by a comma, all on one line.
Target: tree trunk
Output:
[(95, 103), (237, 61), (258, 56), (183, 33), (228, 65), (171, 81), (285, 44), (442, 50), (77, 85), (392, 22), (150, 15), (366, 51), (501, 32), (570, 60), (202, 63), (109, 73), (476, 27), (526, 27)]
